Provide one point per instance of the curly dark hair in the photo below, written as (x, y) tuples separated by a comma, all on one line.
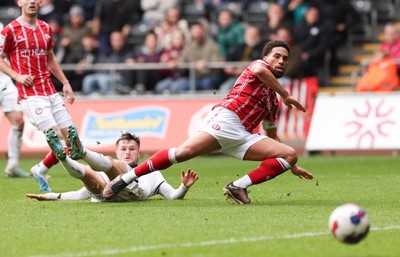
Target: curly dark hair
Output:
[(128, 136), (272, 44)]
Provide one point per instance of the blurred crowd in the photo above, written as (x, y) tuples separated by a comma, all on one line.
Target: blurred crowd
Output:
[(196, 31)]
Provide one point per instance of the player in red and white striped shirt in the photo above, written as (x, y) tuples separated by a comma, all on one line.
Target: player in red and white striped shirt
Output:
[(229, 126), (27, 43)]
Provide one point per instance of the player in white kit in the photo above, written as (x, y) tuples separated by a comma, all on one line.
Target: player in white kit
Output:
[(127, 152), (13, 112)]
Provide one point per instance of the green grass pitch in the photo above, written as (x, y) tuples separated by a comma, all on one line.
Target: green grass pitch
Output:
[(288, 218)]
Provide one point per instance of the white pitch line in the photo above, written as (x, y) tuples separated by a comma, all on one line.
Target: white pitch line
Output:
[(200, 244)]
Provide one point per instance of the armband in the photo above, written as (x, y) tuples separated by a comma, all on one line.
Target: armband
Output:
[(268, 124)]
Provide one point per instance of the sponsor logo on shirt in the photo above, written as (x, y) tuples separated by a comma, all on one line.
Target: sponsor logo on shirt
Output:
[(33, 52)]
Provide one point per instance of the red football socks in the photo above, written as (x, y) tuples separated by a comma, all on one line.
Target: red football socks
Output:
[(50, 160), (267, 170), (158, 161)]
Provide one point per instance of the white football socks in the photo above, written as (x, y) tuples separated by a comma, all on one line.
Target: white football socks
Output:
[(74, 168), (40, 168), (14, 145), (97, 161), (243, 182), (129, 176)]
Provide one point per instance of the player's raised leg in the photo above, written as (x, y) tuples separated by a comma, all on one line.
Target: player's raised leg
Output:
[(76, 149), (91, 179)]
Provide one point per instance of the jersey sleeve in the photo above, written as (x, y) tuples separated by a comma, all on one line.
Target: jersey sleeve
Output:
[(170, 193), (81, 194)]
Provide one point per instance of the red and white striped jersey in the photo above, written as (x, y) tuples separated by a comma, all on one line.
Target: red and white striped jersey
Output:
[(26, 47), (251, 99)]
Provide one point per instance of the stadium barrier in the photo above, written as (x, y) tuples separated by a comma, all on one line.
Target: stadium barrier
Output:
[(355, 121), (113, 67)]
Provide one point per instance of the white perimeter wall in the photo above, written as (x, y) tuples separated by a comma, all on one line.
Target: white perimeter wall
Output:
[(353, 121)]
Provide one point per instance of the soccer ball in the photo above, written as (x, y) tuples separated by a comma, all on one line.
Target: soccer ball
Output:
[(349, 223)]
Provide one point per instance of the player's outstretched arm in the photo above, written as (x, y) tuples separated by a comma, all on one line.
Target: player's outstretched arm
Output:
[(266, 76), (188, 179), (81, 194), (301, 172)]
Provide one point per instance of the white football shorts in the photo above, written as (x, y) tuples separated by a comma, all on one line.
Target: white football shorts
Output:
[(225, 126), (8, 95), (46, 111)]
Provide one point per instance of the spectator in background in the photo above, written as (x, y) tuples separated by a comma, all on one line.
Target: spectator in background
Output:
[(390, 47), (293, 70), (344, 19), (87, 54), (249, 50), (230, 32), (168, 26), (114, 15), (170, 57), (70, 38), (213, 6), (154, 10), (200, 51), (313, 36), (276, 19), (8, 3), (382, 72), (107, 81), (295, 10), (49, 12), (150, 52), (88, 7)]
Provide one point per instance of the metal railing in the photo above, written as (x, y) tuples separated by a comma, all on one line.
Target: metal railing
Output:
[(114, 67)]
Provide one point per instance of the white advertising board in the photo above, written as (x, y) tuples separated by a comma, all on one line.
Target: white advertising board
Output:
[(355, 121)]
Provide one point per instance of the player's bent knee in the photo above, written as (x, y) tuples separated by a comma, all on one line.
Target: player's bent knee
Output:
[(184, 153), (291, 156)]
